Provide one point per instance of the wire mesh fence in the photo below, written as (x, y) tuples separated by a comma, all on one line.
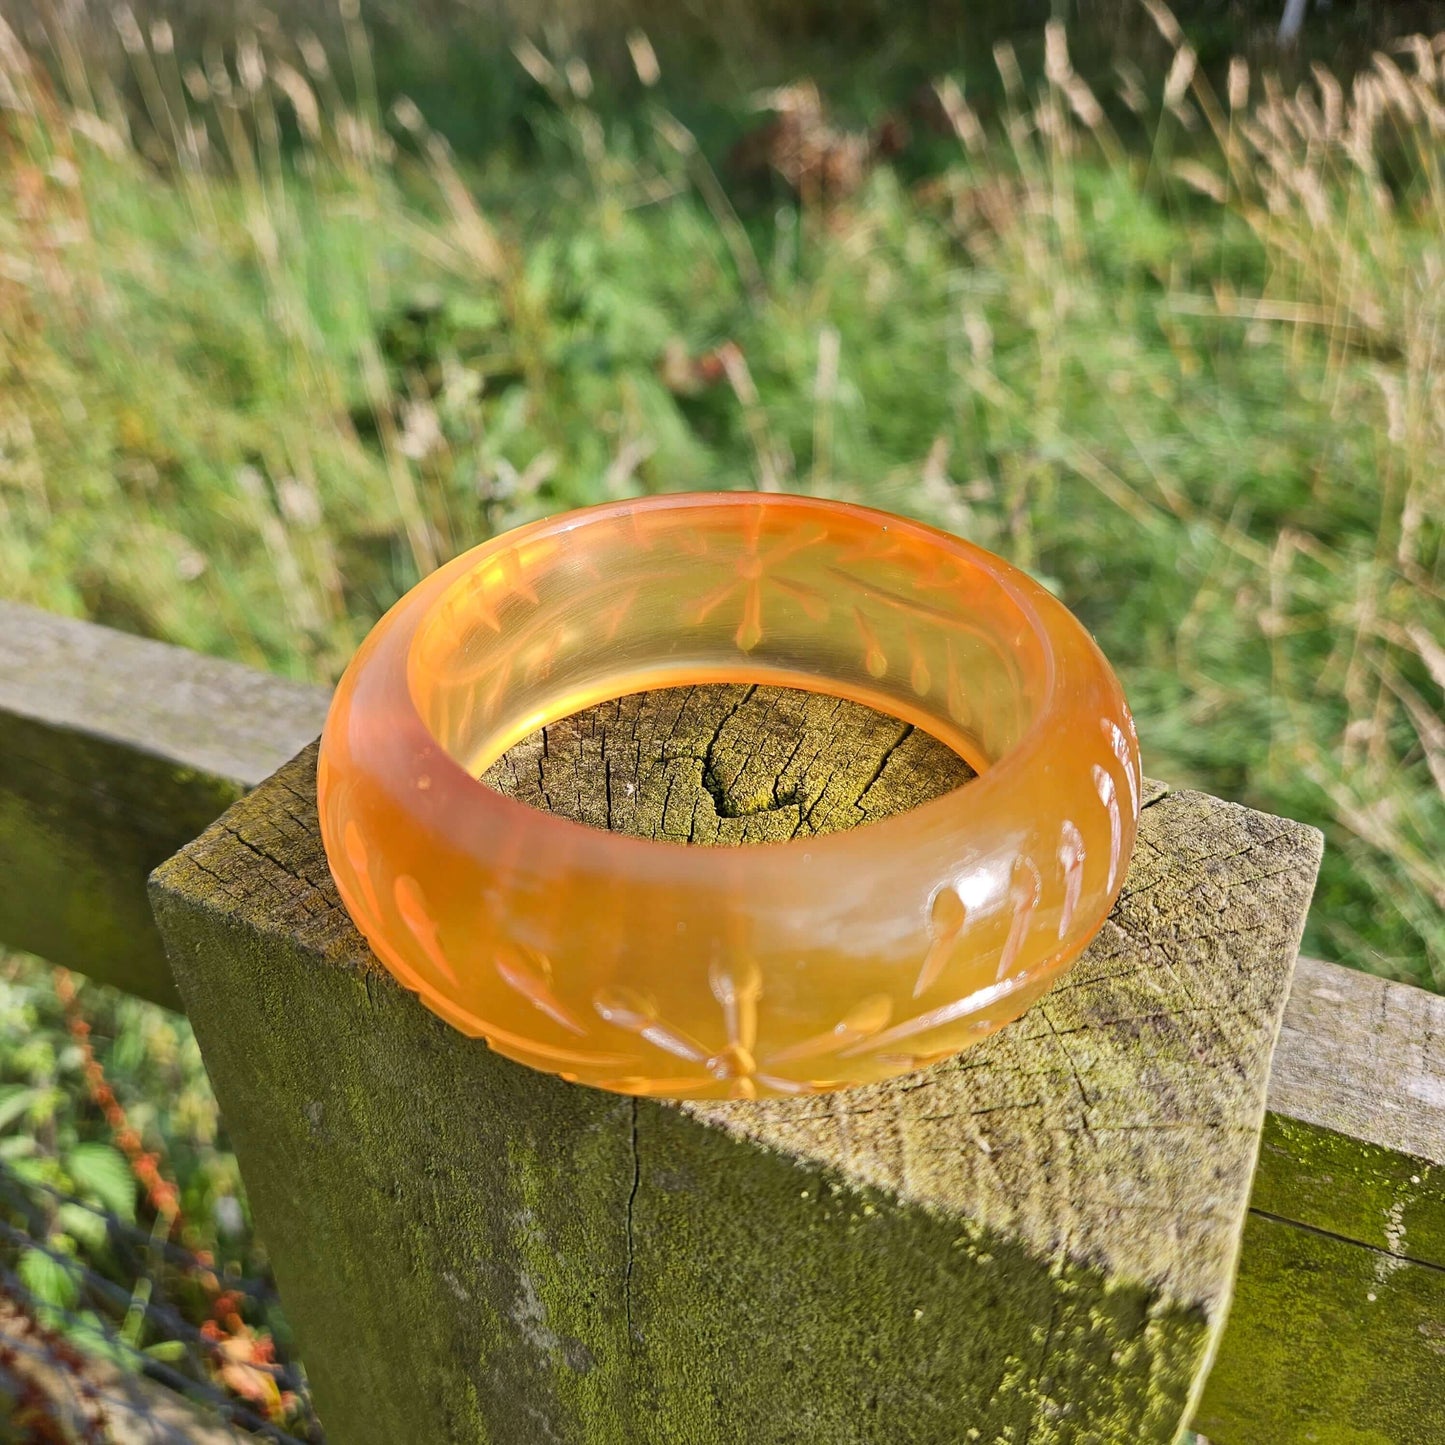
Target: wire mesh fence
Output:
[(80, 1335), (85, 1341), (135, 1299)]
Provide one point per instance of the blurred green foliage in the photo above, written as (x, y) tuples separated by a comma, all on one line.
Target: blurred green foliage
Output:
[(272, 355)]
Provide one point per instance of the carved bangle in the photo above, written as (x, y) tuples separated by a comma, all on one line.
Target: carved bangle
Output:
[(777, 968)]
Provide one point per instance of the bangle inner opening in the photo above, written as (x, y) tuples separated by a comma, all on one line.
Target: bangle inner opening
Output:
[(783, 592), (713, 765)]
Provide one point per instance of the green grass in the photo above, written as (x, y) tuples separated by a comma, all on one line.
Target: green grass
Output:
[(255, 388), (268, 356)]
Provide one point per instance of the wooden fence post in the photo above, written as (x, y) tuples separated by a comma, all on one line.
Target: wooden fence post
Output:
[(1034, 1242)]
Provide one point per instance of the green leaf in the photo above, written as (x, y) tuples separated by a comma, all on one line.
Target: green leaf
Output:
[(33, 1168), (83, 1224), (102, 1171), (15, 1100), (127, 1053), (169, 1352), (49, 1103), (52, 1281), (94, 1336)]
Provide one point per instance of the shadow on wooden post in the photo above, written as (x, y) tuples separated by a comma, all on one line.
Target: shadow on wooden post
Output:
[(1035, 1241)]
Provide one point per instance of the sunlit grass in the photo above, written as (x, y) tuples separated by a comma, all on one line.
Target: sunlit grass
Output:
[(269, 358)]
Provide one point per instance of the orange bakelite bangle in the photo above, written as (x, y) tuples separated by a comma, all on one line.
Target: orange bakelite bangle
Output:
[(776, 968)]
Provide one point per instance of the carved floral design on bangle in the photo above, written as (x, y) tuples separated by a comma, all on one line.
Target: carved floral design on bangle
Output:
[(738, 991), (756, 570), (736, 1062)]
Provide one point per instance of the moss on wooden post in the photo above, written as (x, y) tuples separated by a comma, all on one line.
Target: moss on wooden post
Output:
[(1034, 1242), (1337, 1333)]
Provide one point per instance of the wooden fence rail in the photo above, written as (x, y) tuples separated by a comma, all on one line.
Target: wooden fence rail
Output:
[(115, 752)]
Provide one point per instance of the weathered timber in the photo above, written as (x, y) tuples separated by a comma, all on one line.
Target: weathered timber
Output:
[(1034, 1241), (114, 751), (1337, 1334), (1352, 1170)]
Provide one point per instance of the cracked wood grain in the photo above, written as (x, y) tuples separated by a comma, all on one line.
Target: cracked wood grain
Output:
[(1034, 1241), (727, 764)]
